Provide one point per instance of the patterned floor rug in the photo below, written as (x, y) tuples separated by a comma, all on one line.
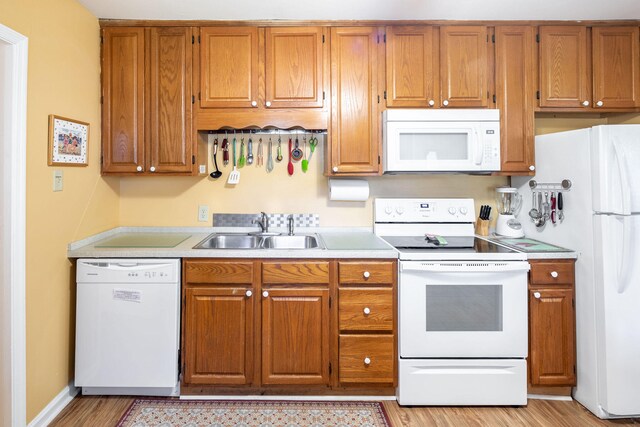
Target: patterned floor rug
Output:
[(237, 413)]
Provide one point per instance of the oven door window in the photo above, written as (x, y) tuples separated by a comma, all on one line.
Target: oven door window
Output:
[(462, 308)]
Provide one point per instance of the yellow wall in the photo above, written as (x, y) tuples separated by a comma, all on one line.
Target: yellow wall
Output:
[(64, 73), (174, 201)]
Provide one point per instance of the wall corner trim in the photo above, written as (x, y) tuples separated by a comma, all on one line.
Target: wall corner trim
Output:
[(56, 406)]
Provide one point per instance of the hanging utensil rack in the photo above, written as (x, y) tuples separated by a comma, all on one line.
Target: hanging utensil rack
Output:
[(564, 185)]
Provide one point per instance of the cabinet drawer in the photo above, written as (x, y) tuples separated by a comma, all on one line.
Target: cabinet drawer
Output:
[(295, 272), (366, 359), (218, 272), (366, 272), (550, 272), (365, 309)]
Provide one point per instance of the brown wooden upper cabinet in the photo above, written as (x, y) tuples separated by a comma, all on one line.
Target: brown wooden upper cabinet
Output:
[(356, 64), (251, 67), (582, 72), (146, 111), (464, 72)]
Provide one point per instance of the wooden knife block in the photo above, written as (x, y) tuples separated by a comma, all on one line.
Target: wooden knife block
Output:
[(482, 227)]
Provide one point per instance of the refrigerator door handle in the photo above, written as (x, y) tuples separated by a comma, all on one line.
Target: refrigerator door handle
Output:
[(624, 179), (628, 254)]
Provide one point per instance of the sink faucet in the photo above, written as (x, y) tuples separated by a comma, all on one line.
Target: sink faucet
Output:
[(290, 224), (263, 222)]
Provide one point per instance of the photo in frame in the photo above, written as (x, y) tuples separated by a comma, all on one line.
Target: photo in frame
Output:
[(68, 142)]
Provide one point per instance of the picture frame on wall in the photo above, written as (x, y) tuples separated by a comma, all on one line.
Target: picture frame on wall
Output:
[(68, 142)]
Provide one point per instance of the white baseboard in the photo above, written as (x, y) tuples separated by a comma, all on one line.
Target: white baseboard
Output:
[(55, 406), (549, 397)]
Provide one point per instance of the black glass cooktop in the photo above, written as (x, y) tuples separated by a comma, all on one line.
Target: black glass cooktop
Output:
[(453, 243)]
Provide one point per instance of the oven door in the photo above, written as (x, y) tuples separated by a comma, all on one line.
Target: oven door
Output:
[(463, 309)]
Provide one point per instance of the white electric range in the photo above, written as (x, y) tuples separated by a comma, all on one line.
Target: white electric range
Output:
[(462, 306)]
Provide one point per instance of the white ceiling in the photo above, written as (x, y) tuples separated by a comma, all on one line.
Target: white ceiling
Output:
[(365, 9)]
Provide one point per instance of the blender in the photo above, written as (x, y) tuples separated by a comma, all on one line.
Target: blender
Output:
[(509, 202)]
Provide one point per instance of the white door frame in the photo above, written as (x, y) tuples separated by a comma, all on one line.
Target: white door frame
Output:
[(13, 141)]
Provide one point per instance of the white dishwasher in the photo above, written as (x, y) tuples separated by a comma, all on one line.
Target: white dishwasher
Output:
[(128, 326)]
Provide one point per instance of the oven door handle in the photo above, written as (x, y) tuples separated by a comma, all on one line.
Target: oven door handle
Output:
[(472, 267)]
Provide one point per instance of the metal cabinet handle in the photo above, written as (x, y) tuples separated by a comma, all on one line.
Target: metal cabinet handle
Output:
[(445, 102), (268, 103), (139, 168), (366, 274), (554, 274), (152, 169), (432, 103), (367, 361), (599, 103), (248, 293), (254, 103), (335, 169), (265, 294), (536, 295), (585, 103), (367, 311), (532, 168)]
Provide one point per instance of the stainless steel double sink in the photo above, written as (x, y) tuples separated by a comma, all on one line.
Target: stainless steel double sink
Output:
[(260, 241)]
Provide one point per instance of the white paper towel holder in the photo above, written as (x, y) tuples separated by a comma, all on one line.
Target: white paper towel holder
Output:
[(348, 190)]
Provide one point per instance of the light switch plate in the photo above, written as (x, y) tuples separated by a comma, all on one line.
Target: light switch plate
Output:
[(57, 180)]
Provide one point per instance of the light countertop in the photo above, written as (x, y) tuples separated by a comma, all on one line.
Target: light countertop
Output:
[(535, 249), (178, 242)]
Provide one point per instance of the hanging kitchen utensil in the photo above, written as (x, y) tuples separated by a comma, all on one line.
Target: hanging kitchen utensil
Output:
[(259, 157), (546, 211), (279, 156), (296, 153), (560, 207), (553, 207), (305, 162), (312, 145), (234, 176), (270, 156), (241, 159), (250, 151), (533, 212), (216, 173), (225, 152), (290, 165)]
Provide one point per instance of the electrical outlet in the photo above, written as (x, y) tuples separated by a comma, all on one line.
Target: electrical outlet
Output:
[(203, 213), (202, 169), (57, 180)]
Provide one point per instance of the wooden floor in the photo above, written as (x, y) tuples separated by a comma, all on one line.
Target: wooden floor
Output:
[(106, 411)]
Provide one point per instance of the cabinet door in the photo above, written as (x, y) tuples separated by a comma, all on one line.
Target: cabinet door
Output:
[(552, 336), (515, 96), (411, 81), (228, 67), (295, 336), (218, 335), (464, 66), (294, 67), (564, 76), (355, 115), (123, 86), (616, 67), (170, 135)]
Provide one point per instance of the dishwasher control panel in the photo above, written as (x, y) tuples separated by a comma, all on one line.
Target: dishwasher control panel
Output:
[(128, 270)]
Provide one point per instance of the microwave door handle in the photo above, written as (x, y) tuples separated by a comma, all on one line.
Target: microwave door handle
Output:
[(479, 147)]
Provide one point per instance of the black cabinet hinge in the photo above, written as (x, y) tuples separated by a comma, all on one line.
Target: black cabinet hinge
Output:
[(385, 94), (378, 99), (329, 368), (101, 39), (329, 302), (323, 95), (384, 37), (101, 159), (323, 38), (537, 94), (193, 159), (537, 38), (573, 303), (193, 39), (198, 39), (493, 38), (494, 98), (193, 99), (378, 159)]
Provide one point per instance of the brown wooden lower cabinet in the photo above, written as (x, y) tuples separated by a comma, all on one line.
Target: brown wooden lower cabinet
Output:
[(552, 357), (295, 336), (270, 326)]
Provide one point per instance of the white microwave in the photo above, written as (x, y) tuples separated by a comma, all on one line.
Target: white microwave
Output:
[(441, 140)]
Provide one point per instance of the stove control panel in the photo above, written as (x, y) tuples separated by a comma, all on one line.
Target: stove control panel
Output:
[(424, 210)]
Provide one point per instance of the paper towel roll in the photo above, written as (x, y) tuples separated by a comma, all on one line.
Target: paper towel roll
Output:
[(350, 190)]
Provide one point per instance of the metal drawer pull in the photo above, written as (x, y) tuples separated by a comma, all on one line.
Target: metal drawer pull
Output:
[(366, 274), (367, 361), (554, 274), (367, 310), (265, 294), (536, 295), (248, 293)]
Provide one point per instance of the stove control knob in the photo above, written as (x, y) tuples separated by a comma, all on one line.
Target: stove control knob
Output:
[(452, 210), (400, 210), (388, 210), (463, 210)]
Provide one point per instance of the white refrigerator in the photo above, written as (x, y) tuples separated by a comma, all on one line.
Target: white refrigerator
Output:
[(602, 223)]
